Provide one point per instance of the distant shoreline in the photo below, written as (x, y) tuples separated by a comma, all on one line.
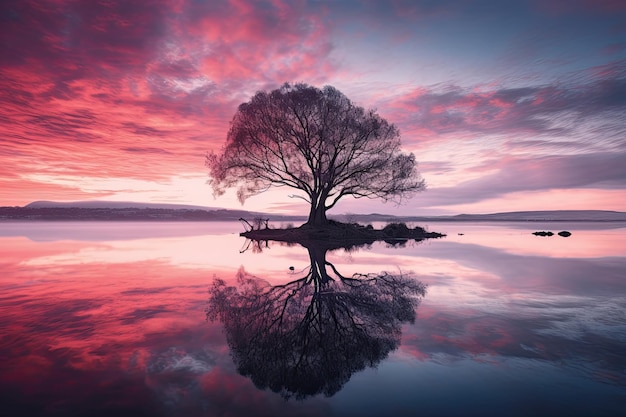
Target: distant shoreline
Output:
[(124, 214), (176, 214)]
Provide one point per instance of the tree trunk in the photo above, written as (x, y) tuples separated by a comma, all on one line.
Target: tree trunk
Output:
[(320, 276), (317, 215)]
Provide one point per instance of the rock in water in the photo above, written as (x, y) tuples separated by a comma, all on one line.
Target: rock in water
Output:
[(565, 233), (543, 233)]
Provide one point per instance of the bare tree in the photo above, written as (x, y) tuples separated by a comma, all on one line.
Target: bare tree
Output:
[(316, 141)]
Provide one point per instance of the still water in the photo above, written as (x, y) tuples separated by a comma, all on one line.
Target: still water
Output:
[(171, 319)]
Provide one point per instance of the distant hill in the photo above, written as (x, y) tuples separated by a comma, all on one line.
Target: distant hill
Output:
[(115, 204), (126, 211), (116, 210), (555, 215), (514, 216)]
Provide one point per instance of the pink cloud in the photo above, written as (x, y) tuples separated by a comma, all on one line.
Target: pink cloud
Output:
[(582, 115), (510, 175), (270, 42), (140, 91)]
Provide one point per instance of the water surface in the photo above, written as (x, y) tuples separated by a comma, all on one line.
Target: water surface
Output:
[(110, 319)]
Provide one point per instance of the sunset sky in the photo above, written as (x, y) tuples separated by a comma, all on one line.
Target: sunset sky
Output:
[(507, 105)]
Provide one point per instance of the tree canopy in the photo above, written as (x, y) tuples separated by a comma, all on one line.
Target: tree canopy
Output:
[(316, 141)]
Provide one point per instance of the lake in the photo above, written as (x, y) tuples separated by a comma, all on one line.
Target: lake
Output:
[(177, 319)]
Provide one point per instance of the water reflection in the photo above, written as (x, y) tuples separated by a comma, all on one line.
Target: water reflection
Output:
[(309, 335), (92, 326)]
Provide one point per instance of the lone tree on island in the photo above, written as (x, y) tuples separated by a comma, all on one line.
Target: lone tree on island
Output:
[(316, 141)]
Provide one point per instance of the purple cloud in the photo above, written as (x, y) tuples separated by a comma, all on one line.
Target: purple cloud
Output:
[(533, 109)]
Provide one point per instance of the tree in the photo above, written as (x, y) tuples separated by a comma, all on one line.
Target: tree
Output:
[(316, 141)]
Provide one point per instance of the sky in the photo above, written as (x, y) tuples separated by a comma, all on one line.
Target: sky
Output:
[(507, 105)]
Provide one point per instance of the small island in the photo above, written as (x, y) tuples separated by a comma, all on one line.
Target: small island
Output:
[(340, 234)]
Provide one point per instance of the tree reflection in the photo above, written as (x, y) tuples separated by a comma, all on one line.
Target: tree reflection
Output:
[(310, 335)]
